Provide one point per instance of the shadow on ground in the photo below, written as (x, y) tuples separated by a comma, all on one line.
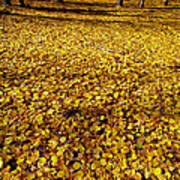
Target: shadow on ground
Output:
[(67, 19), (144, 23), (90, 11)]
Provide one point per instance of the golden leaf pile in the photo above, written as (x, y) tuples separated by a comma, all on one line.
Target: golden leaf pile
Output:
[(90, 94)]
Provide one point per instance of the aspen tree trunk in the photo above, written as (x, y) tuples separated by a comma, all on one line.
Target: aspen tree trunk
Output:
[(119, 2), (141, 3), (165, 2)]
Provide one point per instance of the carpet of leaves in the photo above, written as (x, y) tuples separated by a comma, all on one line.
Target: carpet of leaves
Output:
[(91, 92)]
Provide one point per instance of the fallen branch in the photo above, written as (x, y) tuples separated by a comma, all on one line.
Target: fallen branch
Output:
[(109, 50)]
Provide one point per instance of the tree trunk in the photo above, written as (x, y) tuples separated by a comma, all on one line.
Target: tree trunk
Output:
[(22, 3), (141, 3), (119, 2), (7, 2), (165, 2)]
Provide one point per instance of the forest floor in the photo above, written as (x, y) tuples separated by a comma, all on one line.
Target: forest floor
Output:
[(89, 91)]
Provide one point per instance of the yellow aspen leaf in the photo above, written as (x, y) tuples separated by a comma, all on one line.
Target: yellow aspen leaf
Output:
[(172, 121), (60, 174), (133, 156), (89, 97), (97, 156), (102, 118), (171, 168), (109, 166), (98, 97), (47, 169), (170, 155), (76, 165), (5, 84), (31, 176), (8, 140), (43, 132), (142, 129), (36, 96), (157, 171), (110, 155), (117, 170), (133, 172), (1, 93), (116, 94), (169, 142), (130, 136), (37, 142), (139, 144), (95, 165), (77, 101), (178, 105), (39, 173), (60, 153), (53, 143), (122, 93), (25, 147), (130, 126), (1, 163), (20, 160), (45, 93), (29, 160), (121, 113), (39, 119), (103, 162), (41, 161), (36, 154), (114, 150), (50, 111), (98, 72), (124, 165), (54, 160), (147, 173), (18, 168), (63, 139), (168, 174), (79, 175)]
